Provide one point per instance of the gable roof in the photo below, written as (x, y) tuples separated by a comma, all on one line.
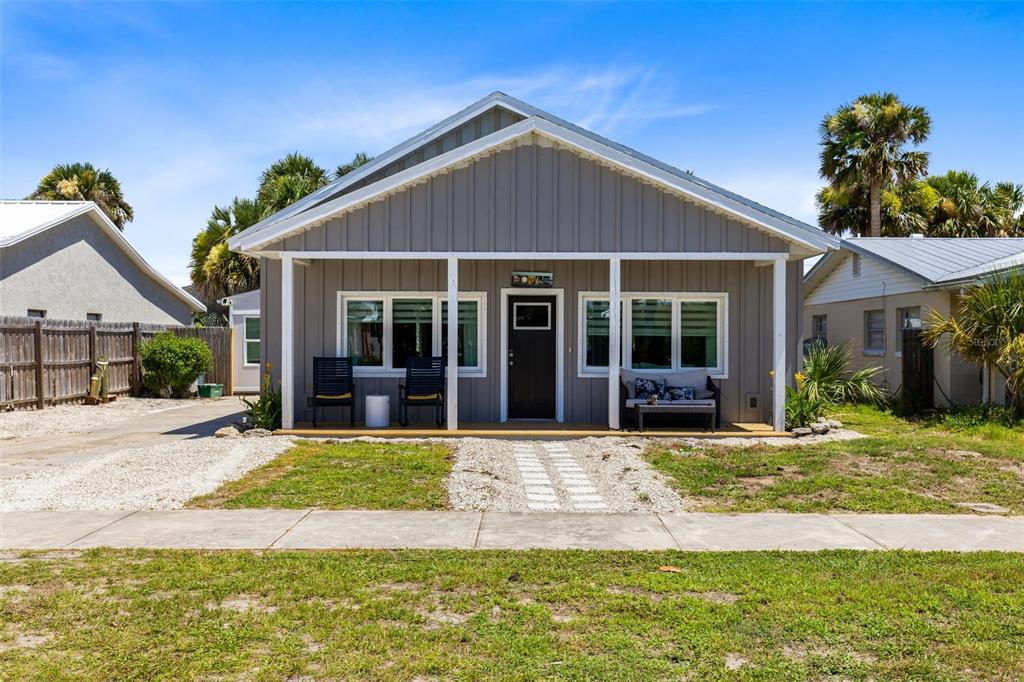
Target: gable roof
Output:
[(935, 261), (311, 209), (20, 220)]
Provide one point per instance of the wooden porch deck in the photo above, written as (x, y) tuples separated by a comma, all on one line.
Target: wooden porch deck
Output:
[(526, 429)]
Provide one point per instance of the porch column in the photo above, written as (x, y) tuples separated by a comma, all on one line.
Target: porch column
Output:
[(287, 342), (452, 391), (614, 340), (779, 331)]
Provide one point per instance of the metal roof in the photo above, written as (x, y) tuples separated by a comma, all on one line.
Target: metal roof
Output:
[(936, 260), (265, 231), (20, 220)]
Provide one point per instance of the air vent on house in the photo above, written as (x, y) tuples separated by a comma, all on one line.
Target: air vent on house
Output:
[(855, 264)]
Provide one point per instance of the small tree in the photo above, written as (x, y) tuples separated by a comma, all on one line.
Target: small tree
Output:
[(171, 363), (988, 328), (827, 376)]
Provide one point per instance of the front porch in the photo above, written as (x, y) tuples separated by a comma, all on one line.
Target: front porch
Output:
[(527, 429), (724, 313)]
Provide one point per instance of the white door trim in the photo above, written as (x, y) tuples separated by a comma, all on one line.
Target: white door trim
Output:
[(559, 295)]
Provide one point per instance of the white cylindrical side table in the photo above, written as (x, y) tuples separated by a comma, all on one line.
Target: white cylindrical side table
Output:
[(378, 411)]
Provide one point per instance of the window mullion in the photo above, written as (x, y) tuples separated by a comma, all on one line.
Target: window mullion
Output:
[(388, 331), (676, 335)]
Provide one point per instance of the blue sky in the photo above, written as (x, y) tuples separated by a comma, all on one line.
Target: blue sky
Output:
[(187, 103)]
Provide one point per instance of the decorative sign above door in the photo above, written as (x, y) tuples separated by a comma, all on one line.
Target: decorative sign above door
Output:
[(532, 280)]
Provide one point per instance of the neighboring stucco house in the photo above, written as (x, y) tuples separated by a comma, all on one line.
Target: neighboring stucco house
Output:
[(503, 221), (866, 293), (66, 260), (244, 320)]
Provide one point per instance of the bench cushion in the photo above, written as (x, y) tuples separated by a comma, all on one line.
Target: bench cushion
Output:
[(697, 378)]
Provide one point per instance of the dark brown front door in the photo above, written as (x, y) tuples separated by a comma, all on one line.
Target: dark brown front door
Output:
[(531, 357)]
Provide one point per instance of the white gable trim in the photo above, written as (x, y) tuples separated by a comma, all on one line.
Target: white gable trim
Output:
[(428, 136), (532, 130), (101, 219)]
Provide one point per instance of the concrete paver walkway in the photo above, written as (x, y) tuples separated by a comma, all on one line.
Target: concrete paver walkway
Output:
[(303, 529)]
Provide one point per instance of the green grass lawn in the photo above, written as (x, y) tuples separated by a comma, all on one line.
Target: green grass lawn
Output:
[(902, 467), (353, 475), (428, 615)]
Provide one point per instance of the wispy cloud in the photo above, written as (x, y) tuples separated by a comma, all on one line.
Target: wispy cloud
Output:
[(39, 66)]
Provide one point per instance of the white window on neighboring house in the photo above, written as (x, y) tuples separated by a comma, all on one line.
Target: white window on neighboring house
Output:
[(252, 340), (660, 331), (874, 332), (382, 330), (94, 317), (910, 318), (35, 312), (819, 327)]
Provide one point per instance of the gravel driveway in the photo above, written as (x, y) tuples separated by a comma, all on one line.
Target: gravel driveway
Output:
[(162, 476), (21, 424)]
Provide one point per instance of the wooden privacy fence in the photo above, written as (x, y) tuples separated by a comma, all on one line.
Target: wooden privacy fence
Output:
[(68, 350)]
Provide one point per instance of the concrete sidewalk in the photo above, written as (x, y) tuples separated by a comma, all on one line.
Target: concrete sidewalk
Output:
[(299, 529)]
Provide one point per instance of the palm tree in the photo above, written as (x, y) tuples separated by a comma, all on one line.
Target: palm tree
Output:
[(83, 182), (288, 180), (215, 270), (358, 160), (863, 143), (968, 208), (988, 329), (906, 209)]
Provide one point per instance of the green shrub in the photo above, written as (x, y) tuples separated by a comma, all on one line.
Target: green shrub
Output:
[(802, 406), (959, 419), (265, 411), (171, 363), (828, 377)]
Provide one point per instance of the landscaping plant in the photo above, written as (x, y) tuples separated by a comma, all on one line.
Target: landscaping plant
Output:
[(802, 408), (988, 329), (827, 377), (171, 364), (265, 411)]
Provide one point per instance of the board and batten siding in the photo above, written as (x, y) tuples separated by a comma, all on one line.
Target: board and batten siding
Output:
[(877, 278), (532, 198), (316, 324)]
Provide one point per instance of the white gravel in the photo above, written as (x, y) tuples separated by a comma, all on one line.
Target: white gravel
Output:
[(21, 424), (833, 434), (486, 477), (163, 476)]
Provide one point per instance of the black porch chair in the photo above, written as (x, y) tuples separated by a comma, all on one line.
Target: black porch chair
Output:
[(333, 385), (423, 387)]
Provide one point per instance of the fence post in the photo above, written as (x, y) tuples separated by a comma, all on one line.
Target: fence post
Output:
[(136, 361), (92, 349), (40, 395)]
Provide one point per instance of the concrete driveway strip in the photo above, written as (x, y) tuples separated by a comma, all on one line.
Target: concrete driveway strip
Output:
[(940, 532), (195, 529), (727, 532), (52, 529), (505, 530), (383, 530)]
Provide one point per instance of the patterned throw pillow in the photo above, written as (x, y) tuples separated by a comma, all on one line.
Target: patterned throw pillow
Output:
[(681, 393), (646, 388)]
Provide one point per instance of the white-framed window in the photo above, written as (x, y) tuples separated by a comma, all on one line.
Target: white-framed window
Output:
[(94, 317), (35, 312), (381, 330), (910, 318), (874, 332), (251, 337), (660, 332)]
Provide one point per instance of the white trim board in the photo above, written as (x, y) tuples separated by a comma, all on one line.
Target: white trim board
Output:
[(559, 295), (439, 297), (534, 130), (756, 256)]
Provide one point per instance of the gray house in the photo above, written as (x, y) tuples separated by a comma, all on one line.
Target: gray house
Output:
[(503, 223), (67, 260)]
